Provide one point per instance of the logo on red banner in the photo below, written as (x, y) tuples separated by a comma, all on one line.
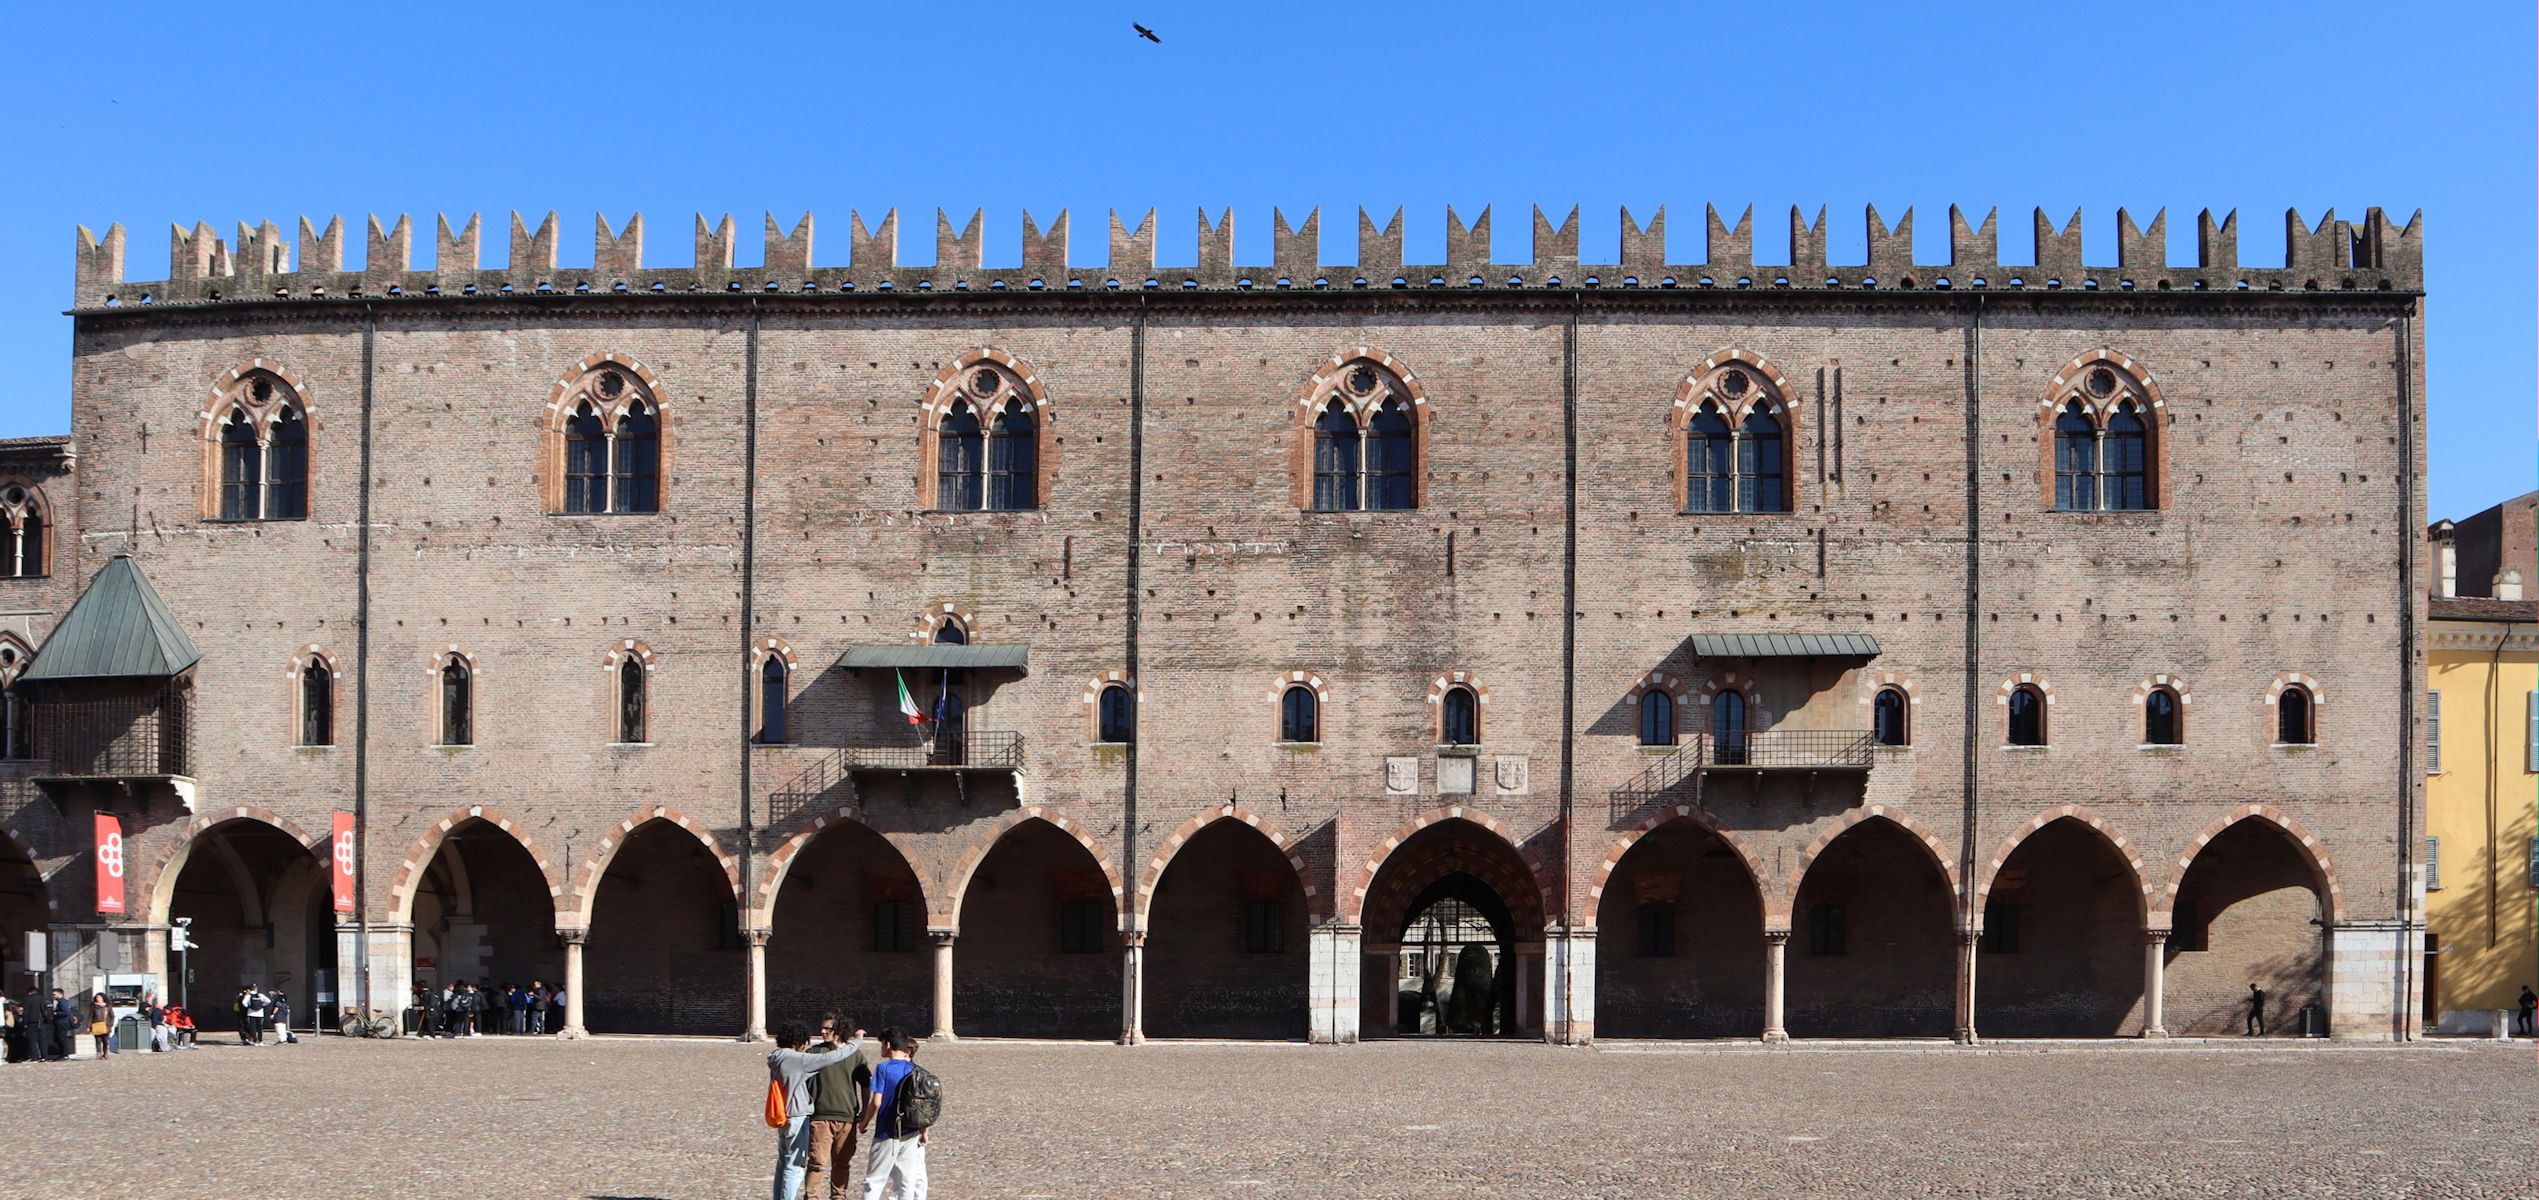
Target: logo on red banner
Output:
[(109, 866), (343, 862)]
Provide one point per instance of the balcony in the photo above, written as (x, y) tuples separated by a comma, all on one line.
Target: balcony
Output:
[(134, 739), (940, 767), (977, 750), (1791, 750)]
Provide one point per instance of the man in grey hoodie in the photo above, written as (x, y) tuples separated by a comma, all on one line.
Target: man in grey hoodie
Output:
[(794, 1067)]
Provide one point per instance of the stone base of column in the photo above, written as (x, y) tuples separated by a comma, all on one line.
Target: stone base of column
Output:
[(1569, 988), (2155, 1034), (391, 965), (2363, 968), (1335, 964), (571, 1035), (1776, 1037)]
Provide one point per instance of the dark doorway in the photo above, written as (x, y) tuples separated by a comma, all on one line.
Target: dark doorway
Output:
[(1226, 940), (1679, 943), (1872, 953), (664, 953)]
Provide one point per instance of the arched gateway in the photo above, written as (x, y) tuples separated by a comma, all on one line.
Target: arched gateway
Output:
[(1454, 918)]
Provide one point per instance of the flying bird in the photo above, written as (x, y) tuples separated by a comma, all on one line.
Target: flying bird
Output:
[(1146, 33)]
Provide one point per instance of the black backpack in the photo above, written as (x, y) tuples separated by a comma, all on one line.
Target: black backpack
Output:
[(920, 1100)]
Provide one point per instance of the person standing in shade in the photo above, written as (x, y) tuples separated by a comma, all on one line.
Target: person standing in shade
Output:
[(280, 1014), (838, 1095), (2528, 1019), (793, 1066), (897, 1165), (538, 997), (2256, 1011), (65, 1022)]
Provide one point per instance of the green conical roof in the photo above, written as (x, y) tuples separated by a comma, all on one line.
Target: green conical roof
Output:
[(119, 629)]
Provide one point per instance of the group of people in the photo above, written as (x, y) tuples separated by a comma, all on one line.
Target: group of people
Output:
[(42, 1028), (464, 1009), (829, 1092), (259, 1012)]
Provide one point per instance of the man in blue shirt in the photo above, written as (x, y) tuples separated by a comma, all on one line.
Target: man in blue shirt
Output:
[(897, 1167)]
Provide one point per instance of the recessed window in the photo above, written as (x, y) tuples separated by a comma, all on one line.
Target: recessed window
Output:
[(317, 703), (1657, 930), (458, 703), (1736, 444), (2294, 717), (1299, 715), (2027, 716), (2106, 443), (630, 699), (1116, 714), (774, 698), (894, 927), (1728, 729), (24, 511), (1366, 443), (260, 449), (1264, 927), (2160, 718), (1826, 935), (987, 445), (1079, 927), (2001, 926), (610, 437), (1889, 718), (1459, 718), (17, 713), (1657, 719)]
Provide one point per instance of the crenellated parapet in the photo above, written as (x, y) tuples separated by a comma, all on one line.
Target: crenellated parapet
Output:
[(2326, 255)]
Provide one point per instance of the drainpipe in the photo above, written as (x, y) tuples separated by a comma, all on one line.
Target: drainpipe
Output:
[(361, 685), (754, 1028), (1971, 772), (1568, 1032)]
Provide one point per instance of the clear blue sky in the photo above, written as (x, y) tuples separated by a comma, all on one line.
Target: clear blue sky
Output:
[(224, 113)]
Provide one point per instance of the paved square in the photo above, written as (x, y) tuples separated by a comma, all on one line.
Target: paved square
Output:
[(659, 1118)]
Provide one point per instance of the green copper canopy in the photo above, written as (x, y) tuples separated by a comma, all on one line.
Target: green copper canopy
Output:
[(119, 629)]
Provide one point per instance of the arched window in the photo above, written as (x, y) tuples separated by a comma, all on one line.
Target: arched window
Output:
[(2075, 460), (317, 703), (2160, 718), (1013, 460), (2293, 712), (1116, 715), (1459, 718), (24, 512), (1299, 715), (637, 487), (1336, 459), (1391, 457), (630, 699), (773, 700), (959, 446), (1760, 465), (1366, 438), (1888, 713), (1728, 729), (610, 440), (241, 469), (458, 703), (585, 462), (2027, 716), (17, 714), (1710, 483), (287, 468), (2124, 458), (1657, 719)]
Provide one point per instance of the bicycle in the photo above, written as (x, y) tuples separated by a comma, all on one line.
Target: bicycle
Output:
[(372, 1026)]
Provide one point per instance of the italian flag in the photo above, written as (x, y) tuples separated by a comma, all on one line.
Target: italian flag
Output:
[(907, 703)]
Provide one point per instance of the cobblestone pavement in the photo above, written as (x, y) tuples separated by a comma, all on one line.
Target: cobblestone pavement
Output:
[(664, 1118)]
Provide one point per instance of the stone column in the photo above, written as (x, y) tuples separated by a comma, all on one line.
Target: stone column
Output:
[(1569, 986), (757, 1030), (1776, 956), (2155, 975), (573, 1027), (1132, 987), (2363, 998), (943, 939), (1331, 983), (1968, 942)]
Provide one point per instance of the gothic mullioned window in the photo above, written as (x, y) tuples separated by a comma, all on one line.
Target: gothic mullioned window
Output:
[(2102, 437), (984, 424), (257, 438), (1738, 430), (17, 713), (28, 550), (608, 442), (1364, 420)]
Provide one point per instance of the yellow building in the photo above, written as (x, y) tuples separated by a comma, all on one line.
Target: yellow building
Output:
[(2482, 775)]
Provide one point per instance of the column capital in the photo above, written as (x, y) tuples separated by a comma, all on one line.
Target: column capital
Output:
[(1777, 937), (573, 937), (2155, 937), (944, 937), (757, 937), (1133, 939)]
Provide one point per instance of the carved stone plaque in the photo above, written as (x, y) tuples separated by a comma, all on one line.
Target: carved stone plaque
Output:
[(1401, 776), (1454, 776), (1513, 774)]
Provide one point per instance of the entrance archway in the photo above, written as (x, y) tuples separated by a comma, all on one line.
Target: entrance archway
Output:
[(1453, 909), (2248, 910), (2061, 954), (482, 913), (848, 933), (263, 914), (1679, 939), (1039, 953), (1226, 949), (664, 953), (1872, 952)]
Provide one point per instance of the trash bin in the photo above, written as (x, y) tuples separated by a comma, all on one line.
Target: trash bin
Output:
[(132, 1033)]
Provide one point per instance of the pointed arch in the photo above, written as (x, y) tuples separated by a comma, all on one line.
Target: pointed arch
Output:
[(26, 850), (2307, 844), (761, 910), (586, 877), (1700, 818), (1143, 898), (157, 884), (26, 524), (989, 382), (258, 392), (1352, 903), (2102, 383), (1777, 914), (612, 385), (418, 859), (1746, 397), (945, 912), (2106, 832), (1367, 384)]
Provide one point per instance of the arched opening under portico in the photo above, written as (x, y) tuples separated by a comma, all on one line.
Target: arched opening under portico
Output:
[(1040, 941), (482, 914), (848, 934), (263, 915), (2061, 951), (2249, 910), (665, 952), (1226, 940), (1679, 940), (1454, 937), (1872, 950)]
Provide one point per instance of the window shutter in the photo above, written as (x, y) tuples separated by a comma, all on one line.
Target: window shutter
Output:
[(2433, 733), (2533, 873), (2531, 748), (2433, 864)]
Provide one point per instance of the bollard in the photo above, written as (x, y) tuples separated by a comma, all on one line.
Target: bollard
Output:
[(2503, 1031)]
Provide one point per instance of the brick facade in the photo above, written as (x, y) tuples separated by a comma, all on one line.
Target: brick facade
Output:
[(1549, 565)]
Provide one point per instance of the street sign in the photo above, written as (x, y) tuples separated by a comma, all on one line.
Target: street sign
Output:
[(35, 951)]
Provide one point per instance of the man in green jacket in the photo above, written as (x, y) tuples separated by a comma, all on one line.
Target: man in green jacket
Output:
[(838, 1096)]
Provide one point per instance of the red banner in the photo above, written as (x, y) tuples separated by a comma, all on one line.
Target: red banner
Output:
[(109, 866), (343, 862)]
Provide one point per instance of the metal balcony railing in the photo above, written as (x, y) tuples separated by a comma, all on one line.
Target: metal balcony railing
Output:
[(1791, 750), (977, 750)]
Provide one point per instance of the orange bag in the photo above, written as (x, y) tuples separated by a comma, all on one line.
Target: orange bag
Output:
[(777, 1117)]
